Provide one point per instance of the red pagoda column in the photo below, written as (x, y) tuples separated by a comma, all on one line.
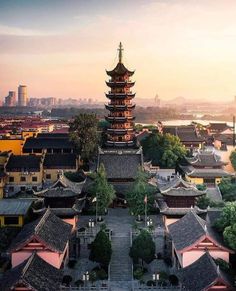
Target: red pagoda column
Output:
[(121, 130)]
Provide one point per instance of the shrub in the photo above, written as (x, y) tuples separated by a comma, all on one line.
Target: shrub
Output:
[(67, 279), (102, 274), (174, 280), (138, 273), (79, 283), (151, 283), (72, 263)]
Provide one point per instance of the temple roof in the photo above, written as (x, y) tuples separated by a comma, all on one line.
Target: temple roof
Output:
[(34, 273), (185, 133), (120, 70), (26, 163), (15, 206), (205, 159), (60, 161), (120, 165), (176, 183), (191, 230), (49, 229), (45, 143), (177, 212), (202, 274), (204, 173)]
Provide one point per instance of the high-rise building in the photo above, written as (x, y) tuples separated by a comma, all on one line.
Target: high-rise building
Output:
[(10, 100), (22, 95)]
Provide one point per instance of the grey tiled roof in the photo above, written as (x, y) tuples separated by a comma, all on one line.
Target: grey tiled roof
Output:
[(120, 166), (45, 143), (205, 159), (59, 161), (191, 229), (15, 206), (202, 274), (49, 229), (175, 183), (34, 273), (184, 192), (23, 163)]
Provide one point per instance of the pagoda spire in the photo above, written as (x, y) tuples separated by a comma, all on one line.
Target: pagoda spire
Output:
[(120, 49)]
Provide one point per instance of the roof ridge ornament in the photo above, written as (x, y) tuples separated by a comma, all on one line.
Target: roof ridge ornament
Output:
[(120, 49)]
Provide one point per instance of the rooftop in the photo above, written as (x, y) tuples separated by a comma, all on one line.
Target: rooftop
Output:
[(33, 273), (205, 159), (23, 163), (45, 143), (202, 274), (15, 206), (60, 161), (185, 238), (49, 229)]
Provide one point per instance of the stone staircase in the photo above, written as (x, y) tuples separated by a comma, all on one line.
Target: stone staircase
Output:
[(121, 264)]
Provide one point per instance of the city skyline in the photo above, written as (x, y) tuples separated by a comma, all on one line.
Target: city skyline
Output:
[(62, 48)]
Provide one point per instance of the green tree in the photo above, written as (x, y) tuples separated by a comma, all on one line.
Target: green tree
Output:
[(227, 217), (137, 193), (228, 189), (83, 132), (102, 190), (203, 202), (232, 158), (101, 249), (143, 248), (230, 235), (164, 150)]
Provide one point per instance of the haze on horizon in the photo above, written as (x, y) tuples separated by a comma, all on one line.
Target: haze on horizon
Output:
[(61, 48)]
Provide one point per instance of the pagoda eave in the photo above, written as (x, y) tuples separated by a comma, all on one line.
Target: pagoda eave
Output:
[(114, 108), (120, 144), (120, 84), (119, 119), (120, 95)]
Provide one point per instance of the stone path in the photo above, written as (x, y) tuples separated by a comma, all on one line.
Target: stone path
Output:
[(120, 223)]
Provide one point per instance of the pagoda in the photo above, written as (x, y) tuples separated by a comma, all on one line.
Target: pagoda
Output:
[(120, 154), (120, 117)]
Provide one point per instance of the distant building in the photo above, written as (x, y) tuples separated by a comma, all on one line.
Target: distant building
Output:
[(10, 100), (46, 102), (22, 96)]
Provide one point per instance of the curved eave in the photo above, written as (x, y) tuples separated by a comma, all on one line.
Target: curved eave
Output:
[(120, 84), (120, 96), (119, 107), (119, 132), (120, 144), (120, 70), (119, 119)]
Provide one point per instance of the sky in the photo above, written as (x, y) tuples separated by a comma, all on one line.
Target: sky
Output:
[(61, 48)]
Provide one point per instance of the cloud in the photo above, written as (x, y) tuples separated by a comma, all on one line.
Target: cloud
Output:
[(17, 31)]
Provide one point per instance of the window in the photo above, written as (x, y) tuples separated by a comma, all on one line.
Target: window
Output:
[(34, 179), (22, 179), (11, 179), (35, 188), (11, 220), (48, 176), (11, 189), (22, 189)]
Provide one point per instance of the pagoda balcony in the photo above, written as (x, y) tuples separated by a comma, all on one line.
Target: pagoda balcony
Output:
[(116, 107), (120, 84), (120, 143), (119, 118), (123, 95), (119, 131)]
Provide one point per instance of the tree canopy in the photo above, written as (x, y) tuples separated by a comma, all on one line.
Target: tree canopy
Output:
[(102, 190), (227, 224), (143, 247), (101, 249), (138, 192), (228, 189), (83, 132), (164, 150), (232, 158)]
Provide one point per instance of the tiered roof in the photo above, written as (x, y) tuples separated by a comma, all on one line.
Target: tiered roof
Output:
[(205, 159)]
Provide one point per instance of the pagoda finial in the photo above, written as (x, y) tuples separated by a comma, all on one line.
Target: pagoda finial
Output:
[(120, 49)]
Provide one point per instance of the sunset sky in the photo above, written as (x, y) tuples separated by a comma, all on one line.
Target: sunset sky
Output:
[(61, 48)]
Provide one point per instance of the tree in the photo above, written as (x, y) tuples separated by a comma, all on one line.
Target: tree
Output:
[(164, 150), (203, 202), (143, 248), (137, 193), (83, 132), (101, 249), (227, 217), (102, 190), (232, 158), (227, 224), (228, 189)]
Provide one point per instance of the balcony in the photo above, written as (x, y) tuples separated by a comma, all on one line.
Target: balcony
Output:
[(122, 95), (117, 107), (120, 84), (119, 131)]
